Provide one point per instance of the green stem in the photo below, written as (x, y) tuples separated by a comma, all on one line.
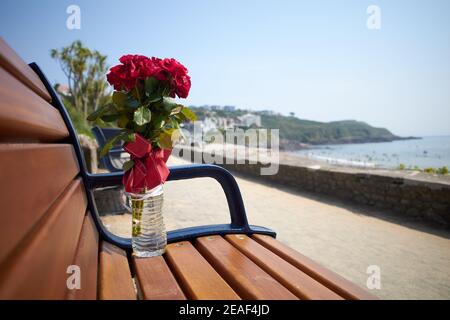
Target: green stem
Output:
[(137, 208)]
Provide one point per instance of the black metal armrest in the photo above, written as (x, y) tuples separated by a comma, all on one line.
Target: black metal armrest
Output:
[(116, 152), (221, 175), (239, 222)]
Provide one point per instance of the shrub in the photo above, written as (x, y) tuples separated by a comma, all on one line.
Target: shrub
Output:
[(429, 170), (80, 124)]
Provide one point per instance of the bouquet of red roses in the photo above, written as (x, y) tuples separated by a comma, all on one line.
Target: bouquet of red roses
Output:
[(143, 106)]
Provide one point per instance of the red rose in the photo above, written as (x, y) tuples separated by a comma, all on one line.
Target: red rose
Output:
[(180, 81), (125, 75), (138, 67)]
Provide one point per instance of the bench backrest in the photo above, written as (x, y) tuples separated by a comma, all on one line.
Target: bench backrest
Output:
[(44, 224)]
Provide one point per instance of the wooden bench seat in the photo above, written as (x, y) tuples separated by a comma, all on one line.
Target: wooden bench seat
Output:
[(233, 267), (50, 229)]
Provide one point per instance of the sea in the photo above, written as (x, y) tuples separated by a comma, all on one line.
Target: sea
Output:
[(418, 153)]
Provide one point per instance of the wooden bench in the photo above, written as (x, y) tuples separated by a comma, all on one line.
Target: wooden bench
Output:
[(49, 222)]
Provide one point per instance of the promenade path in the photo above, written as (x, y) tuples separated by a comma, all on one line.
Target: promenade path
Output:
[(414, 260)]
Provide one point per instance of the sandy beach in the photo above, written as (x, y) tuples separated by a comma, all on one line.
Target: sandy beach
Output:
[(414, 259)]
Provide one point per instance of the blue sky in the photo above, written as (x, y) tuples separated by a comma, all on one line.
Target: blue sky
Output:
[(315, 58)]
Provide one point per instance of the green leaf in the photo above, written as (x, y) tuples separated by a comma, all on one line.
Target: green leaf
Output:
[(181, 135), (142, 116), (110, 117), (180, 117), (132, 103), (165, 140), (99, 112), (108, 145), (165, 91), (177, 135), (119, 98), (174, 123), (189, 114), (155, 98), (128, 165), (122, 121), (100, 123), (169, 104), (124, 135), (177, 109), (151, 85), (128, 136)]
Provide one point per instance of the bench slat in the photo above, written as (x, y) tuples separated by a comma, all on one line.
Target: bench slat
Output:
[(332, 280), (24, 116), (37, 267), (244, 276), (87, 259), (299, 283), (196, 276), (155, 280), (33, 176), (115, 282), (11, 61)]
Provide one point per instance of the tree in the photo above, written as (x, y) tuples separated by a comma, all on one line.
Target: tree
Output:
[(85, 70)]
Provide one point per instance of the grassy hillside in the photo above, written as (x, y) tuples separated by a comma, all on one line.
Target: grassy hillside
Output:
[(313, 132), (295, 131)]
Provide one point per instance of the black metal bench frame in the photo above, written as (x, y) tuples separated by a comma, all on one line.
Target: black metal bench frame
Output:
[(239, 222), (102, 135)]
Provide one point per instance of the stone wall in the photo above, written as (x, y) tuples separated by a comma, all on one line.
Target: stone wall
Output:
[(418, 198)]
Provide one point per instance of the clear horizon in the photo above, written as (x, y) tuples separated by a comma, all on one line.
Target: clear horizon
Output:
[(317, 59)]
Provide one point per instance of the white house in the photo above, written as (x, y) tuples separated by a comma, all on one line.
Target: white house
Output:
[(249, 119)]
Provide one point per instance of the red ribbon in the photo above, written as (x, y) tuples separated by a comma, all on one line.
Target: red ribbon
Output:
[(149, 169)]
